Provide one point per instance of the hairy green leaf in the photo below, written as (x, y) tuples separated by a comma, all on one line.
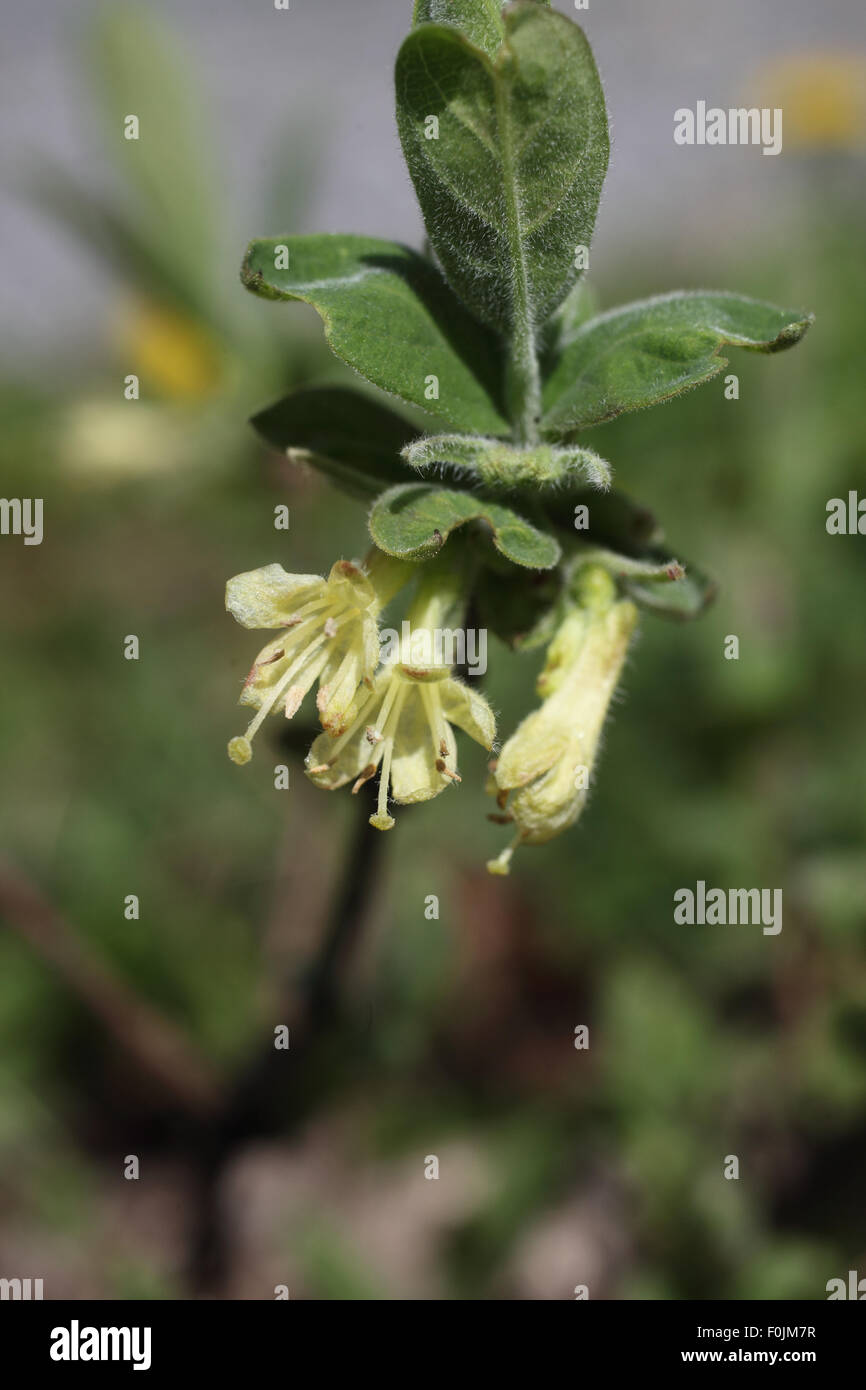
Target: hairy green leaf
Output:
[(354, 441), (655, 580), (390, 315), (648, 352), (413, 522), (685, 598), (480, 20), (575, 310), (509, 183), (504, 465)]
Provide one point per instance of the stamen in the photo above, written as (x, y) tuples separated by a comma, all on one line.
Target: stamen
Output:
[(502, 864), (395, 687), (296, 693), (442, 766), (240, 751), (257, 666), (339, 743), (369, 771), (391, 708), (291, 708), (436, 720), (313, 605), (268, 704), (325, 691)]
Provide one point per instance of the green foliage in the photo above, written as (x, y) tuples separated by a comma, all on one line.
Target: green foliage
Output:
[(353, 440), (665, 587), (389, 314), (503, 125), (650, 352), (509, 180), (413, 521), (480, 20), (501, 465)]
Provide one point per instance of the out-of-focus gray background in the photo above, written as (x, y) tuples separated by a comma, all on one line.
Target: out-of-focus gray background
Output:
[(273, 80)]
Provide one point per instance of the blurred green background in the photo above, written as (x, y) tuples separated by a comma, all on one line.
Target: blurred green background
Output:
[(451, 1037)]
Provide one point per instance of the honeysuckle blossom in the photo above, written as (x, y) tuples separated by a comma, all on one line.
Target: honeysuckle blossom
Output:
[(403, 731), (545, 767), (327, 631)]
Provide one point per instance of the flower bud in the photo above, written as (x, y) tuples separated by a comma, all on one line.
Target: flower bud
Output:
[(546, 765)]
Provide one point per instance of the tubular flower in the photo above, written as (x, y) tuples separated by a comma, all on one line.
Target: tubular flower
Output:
[(546, 765), (403, 728), (403, 731), (328, 632)]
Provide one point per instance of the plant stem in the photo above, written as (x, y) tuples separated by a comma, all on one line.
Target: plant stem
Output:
[(523, 379), (523, 385), (260, 1103)]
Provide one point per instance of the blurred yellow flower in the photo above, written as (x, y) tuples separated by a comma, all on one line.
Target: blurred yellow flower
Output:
[(171, 353), (100, 441), (823, 96)]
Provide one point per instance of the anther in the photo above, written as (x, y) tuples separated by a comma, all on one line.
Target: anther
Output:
[(369, 771)]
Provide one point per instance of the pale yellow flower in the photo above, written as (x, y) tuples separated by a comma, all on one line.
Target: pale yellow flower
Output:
[(327, 632), (545, 767), (822, 94), (172, 352), (403, 731)]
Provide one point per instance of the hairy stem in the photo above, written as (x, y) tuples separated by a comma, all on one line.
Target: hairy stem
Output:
[(523, 378)]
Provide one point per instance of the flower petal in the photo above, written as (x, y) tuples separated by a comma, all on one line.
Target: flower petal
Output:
[(538, 742), (331, 769), (414, 776), (331, 772), (349, 585), (338, 690), (550, 805), (469, 710), (268, 597), (272, 664), (371, 646)]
